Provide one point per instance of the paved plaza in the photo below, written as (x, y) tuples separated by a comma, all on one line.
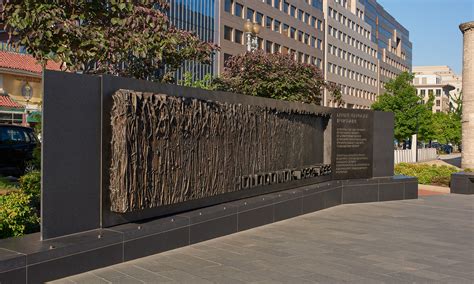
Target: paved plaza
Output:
[(429, 240)]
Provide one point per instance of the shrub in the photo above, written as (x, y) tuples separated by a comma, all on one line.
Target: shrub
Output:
[(30, 184), (17, 217), (275, 76), (427, 174)]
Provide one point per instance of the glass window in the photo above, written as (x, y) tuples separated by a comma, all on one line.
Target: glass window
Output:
[(276, 26), (317, 4), (226, 58), (293, 11), (277, 4), (300, 14), (238, 37), (259, 18), (269, 2), (307, 18), (238, 10), (12, 136), (293, 33), (228, 33), (277, 48), (269, 22), (268, 46), (300, 36), (228, 6), (286, 30), (438, 92), (430, 92), (250, 14), (286, 7), (306, 39)]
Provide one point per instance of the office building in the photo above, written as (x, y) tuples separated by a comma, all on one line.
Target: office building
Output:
[(198, 16), (429, 85), (288, 27), (356, 43), (447, 77)]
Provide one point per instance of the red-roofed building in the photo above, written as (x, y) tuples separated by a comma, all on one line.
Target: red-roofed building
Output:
[(20, 74)]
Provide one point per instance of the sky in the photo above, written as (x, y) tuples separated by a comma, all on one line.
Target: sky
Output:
[(434, 28)]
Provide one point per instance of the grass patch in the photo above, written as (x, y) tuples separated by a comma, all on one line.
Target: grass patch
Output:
[(427, 174), (6, 186)]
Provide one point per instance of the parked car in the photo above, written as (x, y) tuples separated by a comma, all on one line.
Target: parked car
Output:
[(16, 148), (448, 149)]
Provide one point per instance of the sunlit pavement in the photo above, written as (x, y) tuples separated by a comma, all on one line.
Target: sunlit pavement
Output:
[(424, 241)]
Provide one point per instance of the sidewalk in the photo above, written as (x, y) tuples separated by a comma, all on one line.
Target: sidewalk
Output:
[(426, 240)]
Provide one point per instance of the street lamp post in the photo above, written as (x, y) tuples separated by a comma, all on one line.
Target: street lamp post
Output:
[(251, 31), (27, 93)]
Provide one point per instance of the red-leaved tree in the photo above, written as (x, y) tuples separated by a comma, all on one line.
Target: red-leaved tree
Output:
[(276, 76), (119, 37)]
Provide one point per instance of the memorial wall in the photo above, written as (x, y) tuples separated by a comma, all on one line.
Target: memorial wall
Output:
[(167, 150)]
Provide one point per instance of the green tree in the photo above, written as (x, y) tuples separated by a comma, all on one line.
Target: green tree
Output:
[(207, 83), (447, 128), (412, 114), (119, 37), (274, 76)]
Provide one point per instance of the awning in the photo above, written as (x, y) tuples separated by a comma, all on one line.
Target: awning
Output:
[(34, 117), (7, 103)]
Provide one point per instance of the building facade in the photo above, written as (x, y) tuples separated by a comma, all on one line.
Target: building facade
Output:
[(200, 17), (356, 43), (432, 85), (21, 88), (447, 76), (351, 54), (288, 27)]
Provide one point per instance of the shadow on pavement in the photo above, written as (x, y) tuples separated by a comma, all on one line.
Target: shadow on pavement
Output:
[(454, 162)]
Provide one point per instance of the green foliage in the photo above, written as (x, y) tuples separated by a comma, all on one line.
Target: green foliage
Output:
[(19, 209), (412, 115), (30, 184), (17, 217), (447, 128), (119, 37), (7, 185), (206, 83), (427, 174), (274, 76)]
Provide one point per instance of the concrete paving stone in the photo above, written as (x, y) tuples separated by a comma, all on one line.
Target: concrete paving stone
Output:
[(435, 276), (456, 280), (87, 278), (424, 241), (183, 277), (114, 276), (153, 266), (141, 274), (226, 280), (68, 281), (412, 278)]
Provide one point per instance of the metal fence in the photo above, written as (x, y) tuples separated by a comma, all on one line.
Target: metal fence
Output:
[(408, 156)]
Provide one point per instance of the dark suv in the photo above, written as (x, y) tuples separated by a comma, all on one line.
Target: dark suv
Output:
[(16, 148)]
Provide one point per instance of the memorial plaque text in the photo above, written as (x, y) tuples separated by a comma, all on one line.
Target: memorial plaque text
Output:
[(352, 144)]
